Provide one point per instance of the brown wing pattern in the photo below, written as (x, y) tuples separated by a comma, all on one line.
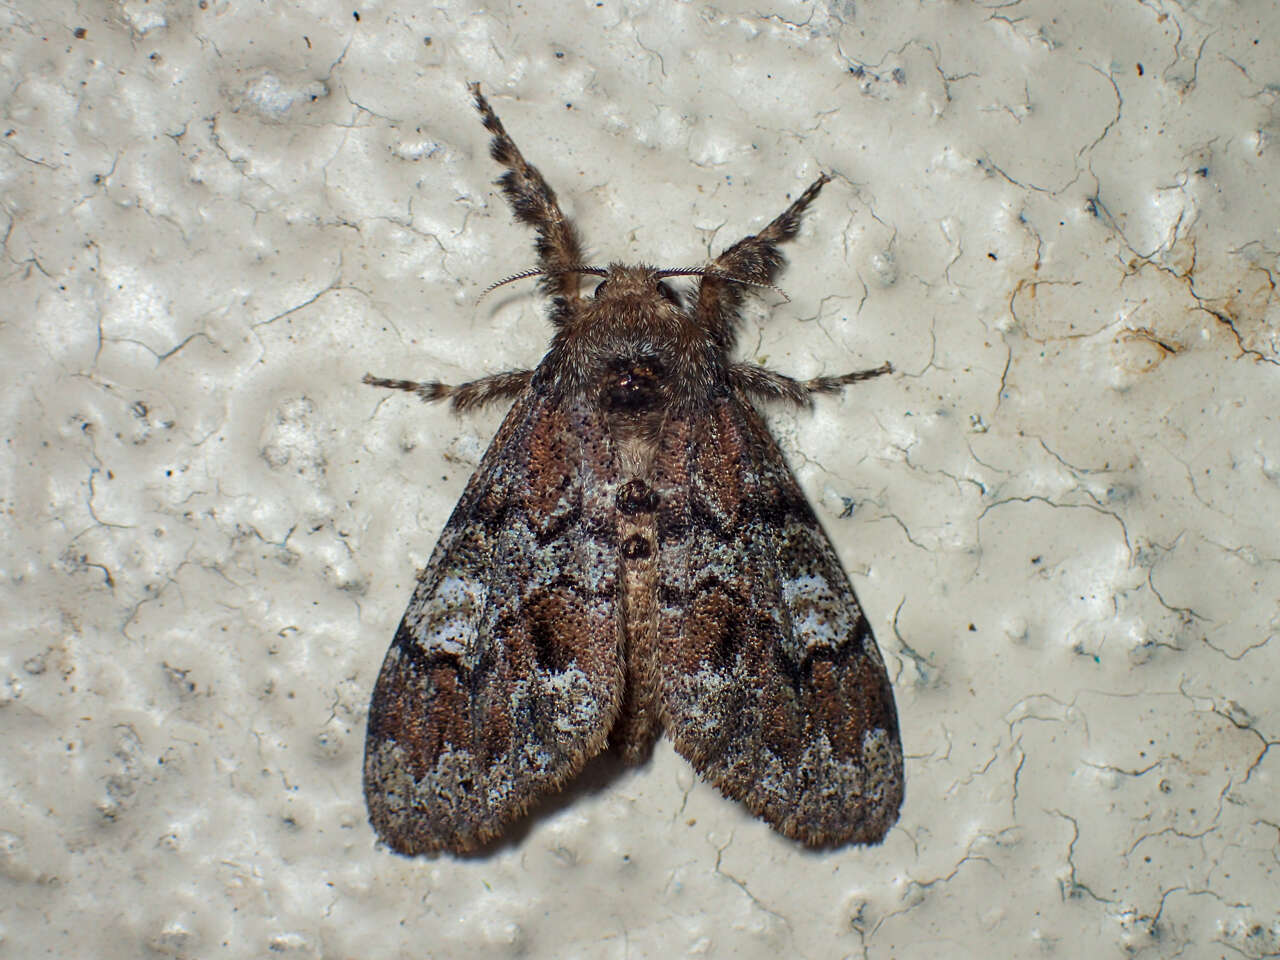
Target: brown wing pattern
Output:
[(771, 681), (498, 687)]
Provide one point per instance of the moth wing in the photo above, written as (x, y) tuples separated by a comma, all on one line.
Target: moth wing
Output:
[(771, 681), (505, 674)]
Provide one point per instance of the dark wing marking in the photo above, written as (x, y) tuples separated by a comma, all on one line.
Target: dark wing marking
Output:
[(505, 674), (771, 682)]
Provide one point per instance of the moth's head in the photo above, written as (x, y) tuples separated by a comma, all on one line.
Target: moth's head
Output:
[(623, 286), (632, 310)]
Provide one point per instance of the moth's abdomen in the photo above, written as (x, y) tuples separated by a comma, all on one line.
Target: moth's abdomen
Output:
[(638, 724)]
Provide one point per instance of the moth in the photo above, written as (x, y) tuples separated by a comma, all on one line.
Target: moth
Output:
[(632, 556)]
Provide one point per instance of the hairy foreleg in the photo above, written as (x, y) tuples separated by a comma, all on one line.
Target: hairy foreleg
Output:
[(534, 202), (754, 259), (765, 385), (462, 396)]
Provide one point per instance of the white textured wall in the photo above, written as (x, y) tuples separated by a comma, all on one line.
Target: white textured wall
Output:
[(1059, 221)]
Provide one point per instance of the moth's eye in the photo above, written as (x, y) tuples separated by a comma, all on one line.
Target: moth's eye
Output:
[(600, 286), (668, 294)]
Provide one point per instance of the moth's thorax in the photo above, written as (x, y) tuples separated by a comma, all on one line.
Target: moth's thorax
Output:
[(633, 347)]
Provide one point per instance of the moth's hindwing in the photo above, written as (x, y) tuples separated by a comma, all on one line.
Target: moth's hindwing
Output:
[(771, 681), (505, 674)]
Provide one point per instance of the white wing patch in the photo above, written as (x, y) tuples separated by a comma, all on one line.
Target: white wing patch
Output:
[(449, 623), (817, 614)]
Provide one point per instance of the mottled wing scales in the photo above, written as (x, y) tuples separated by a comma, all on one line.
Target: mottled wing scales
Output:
[(771, 681), (505, 674)]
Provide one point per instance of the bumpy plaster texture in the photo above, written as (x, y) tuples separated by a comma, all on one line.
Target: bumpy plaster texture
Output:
[(1059, 222)]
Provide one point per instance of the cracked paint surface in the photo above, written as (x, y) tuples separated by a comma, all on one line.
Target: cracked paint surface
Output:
[(1058, 222)]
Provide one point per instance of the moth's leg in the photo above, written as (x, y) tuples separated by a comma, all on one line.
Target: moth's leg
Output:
[(755, 258), (534, 202), (765, 385), (462, 396)]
